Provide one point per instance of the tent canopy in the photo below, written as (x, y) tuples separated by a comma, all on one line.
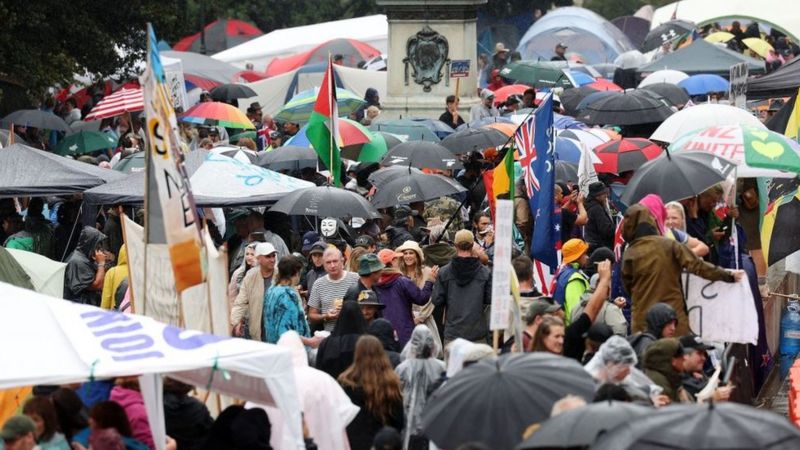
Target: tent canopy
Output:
[(203, 66), (47, 276), (703, 57), (584, 32), (352, 50), (372, 30), (28, 171), (220, 35), (781, 83), (777, 13)]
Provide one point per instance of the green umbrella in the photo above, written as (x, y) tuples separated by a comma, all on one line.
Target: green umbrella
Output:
[(246, 134), (85, 142), (372, 151), (538, 74), (299, 108), (406, 130), (131, 163)]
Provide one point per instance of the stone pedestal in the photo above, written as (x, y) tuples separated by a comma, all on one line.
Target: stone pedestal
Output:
[(424, 37)]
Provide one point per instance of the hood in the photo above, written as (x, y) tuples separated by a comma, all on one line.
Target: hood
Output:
[(122, 258), (382, 329), (465, 269), (88, 240), (638, 223), (656, 207), (439, 254), (125, 397), (371, 96), (388, 278), (658, 358), (486, 93), (290, 340), (657, 316)]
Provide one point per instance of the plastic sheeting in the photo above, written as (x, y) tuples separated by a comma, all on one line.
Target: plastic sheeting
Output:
[(703, 57)]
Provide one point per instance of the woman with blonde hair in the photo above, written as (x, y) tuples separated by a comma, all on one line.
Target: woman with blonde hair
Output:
[(373, 386), (411, 265), (352, 261)]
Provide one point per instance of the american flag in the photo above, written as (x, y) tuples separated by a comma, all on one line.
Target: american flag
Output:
[(523, 139)]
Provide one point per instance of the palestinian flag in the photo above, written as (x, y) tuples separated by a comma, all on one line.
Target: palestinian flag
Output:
[(777, 238), (323, 126)]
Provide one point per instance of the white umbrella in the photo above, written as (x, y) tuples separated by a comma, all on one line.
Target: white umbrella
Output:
[(664, 76), (702, 116), (241, 154), (631, 59), (590, 137)]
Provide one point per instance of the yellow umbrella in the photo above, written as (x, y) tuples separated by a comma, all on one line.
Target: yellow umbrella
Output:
[(758, 45), (719, 37)]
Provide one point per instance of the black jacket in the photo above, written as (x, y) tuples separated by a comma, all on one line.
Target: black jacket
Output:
[(599, 230), (447, 118), (362, 430), (465, 287), (81, 269), (398, 235), (187, 420), (657, 317)]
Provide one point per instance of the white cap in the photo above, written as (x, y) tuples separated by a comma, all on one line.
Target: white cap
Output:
[(264, 249)]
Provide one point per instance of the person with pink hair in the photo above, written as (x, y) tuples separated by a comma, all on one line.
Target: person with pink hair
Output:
[(656, 207)]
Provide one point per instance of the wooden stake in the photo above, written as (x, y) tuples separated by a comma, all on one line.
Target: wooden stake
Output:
[(496, 340)]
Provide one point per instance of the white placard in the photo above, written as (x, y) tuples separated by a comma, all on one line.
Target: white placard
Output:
[(738, 87), (501, 275), (720, 311)]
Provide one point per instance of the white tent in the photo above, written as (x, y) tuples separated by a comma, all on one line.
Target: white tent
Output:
[(46, 275), (52, 341), (776, 13), (373, 30)]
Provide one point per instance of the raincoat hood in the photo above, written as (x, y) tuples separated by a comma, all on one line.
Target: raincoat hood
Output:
[(657, 316), (439, 254), (122, 259), (422, 345), (290, 340), (87, 243), (465, 269), (382, 329), (655, 205), (638, 223), (658, 358)]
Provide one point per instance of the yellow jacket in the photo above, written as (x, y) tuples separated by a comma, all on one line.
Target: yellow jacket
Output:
[(114, 277)]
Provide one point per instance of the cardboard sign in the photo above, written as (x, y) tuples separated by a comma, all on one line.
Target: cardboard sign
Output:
[(459, 68), (501, 275), (738, 87), (719, 311)]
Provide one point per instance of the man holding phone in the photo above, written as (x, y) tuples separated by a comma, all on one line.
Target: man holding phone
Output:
[(694, 377)]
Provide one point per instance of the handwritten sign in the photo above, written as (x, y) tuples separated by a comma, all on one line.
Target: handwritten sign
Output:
[(720, 311), (459, 68), (501, 275), (738, 86)]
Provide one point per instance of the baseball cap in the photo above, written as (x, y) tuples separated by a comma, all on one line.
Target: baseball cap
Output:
[(691, 342), (598, 332), (540, 307), (309, 239), (561, 44), (464, 236), (318, 247), (264, 249), (365, 241), (573, 249), (16, 427), (387, 255), (369, 263), (401, 213)]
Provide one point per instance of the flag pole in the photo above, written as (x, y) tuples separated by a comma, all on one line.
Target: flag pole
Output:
[(332, 119)]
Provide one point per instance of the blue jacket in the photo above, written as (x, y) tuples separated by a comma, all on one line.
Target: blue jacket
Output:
[(282, 312)]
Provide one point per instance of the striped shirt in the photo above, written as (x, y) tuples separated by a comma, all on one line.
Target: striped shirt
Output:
[(325, 291)]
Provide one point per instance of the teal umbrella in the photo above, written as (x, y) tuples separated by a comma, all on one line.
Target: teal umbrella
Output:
[(372, 151), (131, 163), (299, 108), (406, 130), (85, 142), (538, 74)]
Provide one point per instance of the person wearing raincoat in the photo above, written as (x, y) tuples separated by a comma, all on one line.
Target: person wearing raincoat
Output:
[(419, 371), (114, 277), (615, 363)]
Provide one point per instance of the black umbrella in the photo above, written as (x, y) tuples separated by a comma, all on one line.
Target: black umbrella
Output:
[(701, 427), (674, 94), (238, 153), (288, 157), (566, 172), (36, 118), (391, 139), (413, 186), (232, 91), (581, 427), (571, 98), (494, 402), (666, 32), (421, 154), (473, 140), (677, 176), (385, 174), (627, 108), (325, 201)]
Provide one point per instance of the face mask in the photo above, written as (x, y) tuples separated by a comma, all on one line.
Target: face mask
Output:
[(328, 227)]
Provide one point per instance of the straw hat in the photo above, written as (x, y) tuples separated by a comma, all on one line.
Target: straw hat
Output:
[(411, 245)]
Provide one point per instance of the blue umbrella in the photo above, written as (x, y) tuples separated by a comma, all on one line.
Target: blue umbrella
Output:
[(581, 78), (566, 122), (704, 83), (593, 97), (567, 150), (485, 121), (439, 128)]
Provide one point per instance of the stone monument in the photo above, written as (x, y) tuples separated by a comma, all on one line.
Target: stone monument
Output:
[(432, 52)]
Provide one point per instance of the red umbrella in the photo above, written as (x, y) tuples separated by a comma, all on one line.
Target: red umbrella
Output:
[(625, 154), (352, 50), (220, 35), (604, 85), (502, 94), (249, 76), (118, 103)]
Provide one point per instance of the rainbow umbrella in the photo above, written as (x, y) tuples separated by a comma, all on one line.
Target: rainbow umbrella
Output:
[(217, 114), (299, 108), (350, 133)]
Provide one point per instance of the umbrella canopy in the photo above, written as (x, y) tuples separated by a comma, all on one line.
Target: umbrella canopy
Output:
[(474, 140), (757, 152), (28, 171), (539, 74), (569, 150), (704, 57), (705, 83), (502, 94), (220, 35), (372, 151), (423, 155), (719, 37), (326, 201), (85, 142), (581, 78), (672, 93), (781, 215), (676, 177), (780, 83), (604, 85), (231, 91), (625, 154), (666, 32), (606, 70), (518, 389), (636, 28), (352, 50), (217, 114), (566, 172), (508, 129), (591, 98), (406, 130), (590, 137), (36, 118), (625, 109), (391, 139), (300, 107), (439, 128), (572, 97), (241, 154), (350, 133), (701, 116), (131, 163), (483, 122), (414, 186), (630, 60), (759, 46), (288, 157), (703, 427), (117, 104), (385, 174), (582, 426), (664, 76), (203, 67)]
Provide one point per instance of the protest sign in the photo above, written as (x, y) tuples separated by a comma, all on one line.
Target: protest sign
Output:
[(501, 275), (719, 311)]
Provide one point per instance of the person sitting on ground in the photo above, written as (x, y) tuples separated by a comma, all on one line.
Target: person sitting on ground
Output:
[(661, 321), (663, 363)]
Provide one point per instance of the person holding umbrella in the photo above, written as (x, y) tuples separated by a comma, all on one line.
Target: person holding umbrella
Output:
[(600, 228)]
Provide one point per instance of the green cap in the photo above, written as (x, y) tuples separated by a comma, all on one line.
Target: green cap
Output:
[(16, 427), (369, 263)]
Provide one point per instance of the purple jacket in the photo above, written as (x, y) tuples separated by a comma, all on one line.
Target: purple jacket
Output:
[(398, 293)]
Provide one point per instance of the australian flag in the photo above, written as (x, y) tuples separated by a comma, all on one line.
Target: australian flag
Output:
[(547, 223)]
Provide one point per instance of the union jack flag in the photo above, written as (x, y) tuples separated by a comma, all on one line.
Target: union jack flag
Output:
[(523, 139)]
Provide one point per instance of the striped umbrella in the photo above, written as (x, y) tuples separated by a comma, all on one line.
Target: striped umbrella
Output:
[(777, 239), (217, 114), (117, 104), (299, 108), (625, 154)]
